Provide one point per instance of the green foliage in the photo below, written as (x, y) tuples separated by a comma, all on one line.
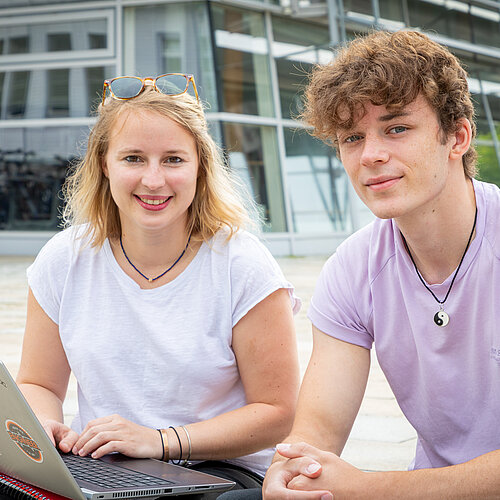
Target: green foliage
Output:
[(489, 169)]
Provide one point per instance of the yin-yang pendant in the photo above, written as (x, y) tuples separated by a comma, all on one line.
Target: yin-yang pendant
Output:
[(441, 318)]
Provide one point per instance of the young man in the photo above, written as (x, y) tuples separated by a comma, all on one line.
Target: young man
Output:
[(421, 283)]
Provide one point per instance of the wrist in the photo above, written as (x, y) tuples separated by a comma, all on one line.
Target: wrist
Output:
[(165, 450)]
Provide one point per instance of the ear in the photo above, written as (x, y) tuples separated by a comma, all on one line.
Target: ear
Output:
[(104, 168), (461, 139)]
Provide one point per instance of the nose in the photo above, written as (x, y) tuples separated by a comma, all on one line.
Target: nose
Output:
[(153, 177), (374, 151)]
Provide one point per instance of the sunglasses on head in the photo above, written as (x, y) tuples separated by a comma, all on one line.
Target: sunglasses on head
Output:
[(128, 87)]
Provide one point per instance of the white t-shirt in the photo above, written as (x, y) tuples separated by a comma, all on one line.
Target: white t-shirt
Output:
[(157, 357)]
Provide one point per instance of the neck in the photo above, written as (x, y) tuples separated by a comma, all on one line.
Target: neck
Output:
[(151, 252), (437, 238)]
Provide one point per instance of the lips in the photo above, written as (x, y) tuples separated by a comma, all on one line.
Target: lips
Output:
[(153, 202), (380, 183)]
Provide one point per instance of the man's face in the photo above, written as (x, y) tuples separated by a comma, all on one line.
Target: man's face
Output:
[(397, 162)]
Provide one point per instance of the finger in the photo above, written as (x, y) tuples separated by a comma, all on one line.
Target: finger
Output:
[(90, 433), (49, 431), (109, 447), (302, 482), (96, 442), (303, 464), (67, 441), (295, 450), (288, 494)]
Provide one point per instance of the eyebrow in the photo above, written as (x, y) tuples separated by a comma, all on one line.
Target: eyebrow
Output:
[(140, 151), (390, 116)]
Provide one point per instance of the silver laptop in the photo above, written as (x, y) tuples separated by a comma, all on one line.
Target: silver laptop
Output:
[(27, 453)]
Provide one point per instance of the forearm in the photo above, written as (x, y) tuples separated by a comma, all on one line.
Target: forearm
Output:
[(239, 432), (44, 403), (476, 479)]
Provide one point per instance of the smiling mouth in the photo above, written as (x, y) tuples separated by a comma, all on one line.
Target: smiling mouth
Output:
[(381, 184), (149, 201)]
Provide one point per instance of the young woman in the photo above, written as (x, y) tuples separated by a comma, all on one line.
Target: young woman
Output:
[(176, 322)]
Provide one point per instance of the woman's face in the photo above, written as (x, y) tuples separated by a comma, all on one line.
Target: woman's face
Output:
[(152, 167)]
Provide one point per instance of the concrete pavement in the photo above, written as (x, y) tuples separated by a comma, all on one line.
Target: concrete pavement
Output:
[(381, 438)]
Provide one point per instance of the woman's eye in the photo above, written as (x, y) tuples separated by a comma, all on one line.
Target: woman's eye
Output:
[(398, 130), (132, 159), (173, 159)]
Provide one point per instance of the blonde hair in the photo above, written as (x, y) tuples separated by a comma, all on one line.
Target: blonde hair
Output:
[(218, 201), (390, 69)]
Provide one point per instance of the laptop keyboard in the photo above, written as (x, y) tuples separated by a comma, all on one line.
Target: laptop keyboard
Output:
[(107, 476)]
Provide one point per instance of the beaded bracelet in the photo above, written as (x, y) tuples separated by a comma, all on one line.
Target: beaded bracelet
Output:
[(180, 446)]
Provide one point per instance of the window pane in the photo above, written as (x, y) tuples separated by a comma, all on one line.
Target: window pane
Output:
[(52, 37), (486, 26), (392, 10), (447, 18), (297, 46), (18, 90), (17, 44), (242, 64), (173, 38), (253, 156), (58, 93), (33, 165), (58, 41), (317, 185), (358, 6), (72, 92)]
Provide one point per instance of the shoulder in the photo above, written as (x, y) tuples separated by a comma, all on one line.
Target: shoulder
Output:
[(60, 251), (488, 201), (366, 252), (242, 249)]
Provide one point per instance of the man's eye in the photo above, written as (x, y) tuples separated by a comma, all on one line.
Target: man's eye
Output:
[(398, 130), (352, 138)]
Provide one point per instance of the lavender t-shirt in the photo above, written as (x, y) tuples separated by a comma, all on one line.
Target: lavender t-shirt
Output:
[(445, 379)]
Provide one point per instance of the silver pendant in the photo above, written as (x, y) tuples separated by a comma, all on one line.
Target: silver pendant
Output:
[(441, 318)]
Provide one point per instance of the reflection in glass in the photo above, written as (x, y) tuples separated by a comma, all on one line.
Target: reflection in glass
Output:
[(58, 41), (95, 78), (392, 10), (297, 46), (242, 64), (359, 6), (172, 38), (64, 92), (317, 185), (447, 18), (17, 92), (53, 37), (58, 98), (33, 165), (253, 156), (17, 44)]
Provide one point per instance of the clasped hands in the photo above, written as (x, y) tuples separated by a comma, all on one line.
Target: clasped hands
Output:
[(310, 474), (105, 435)]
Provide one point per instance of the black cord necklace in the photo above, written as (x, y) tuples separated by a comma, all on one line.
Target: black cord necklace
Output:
[(441, 318), (164, 272)]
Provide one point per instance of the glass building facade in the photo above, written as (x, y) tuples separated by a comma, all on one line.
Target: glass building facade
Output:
[(250, 59)]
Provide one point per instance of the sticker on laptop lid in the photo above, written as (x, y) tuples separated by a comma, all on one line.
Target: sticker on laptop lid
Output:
[(24, 441)]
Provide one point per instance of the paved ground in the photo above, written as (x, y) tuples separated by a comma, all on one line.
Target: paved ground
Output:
[(381, 438)]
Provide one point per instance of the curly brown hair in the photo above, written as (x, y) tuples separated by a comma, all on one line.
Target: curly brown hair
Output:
[(389, 69)]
